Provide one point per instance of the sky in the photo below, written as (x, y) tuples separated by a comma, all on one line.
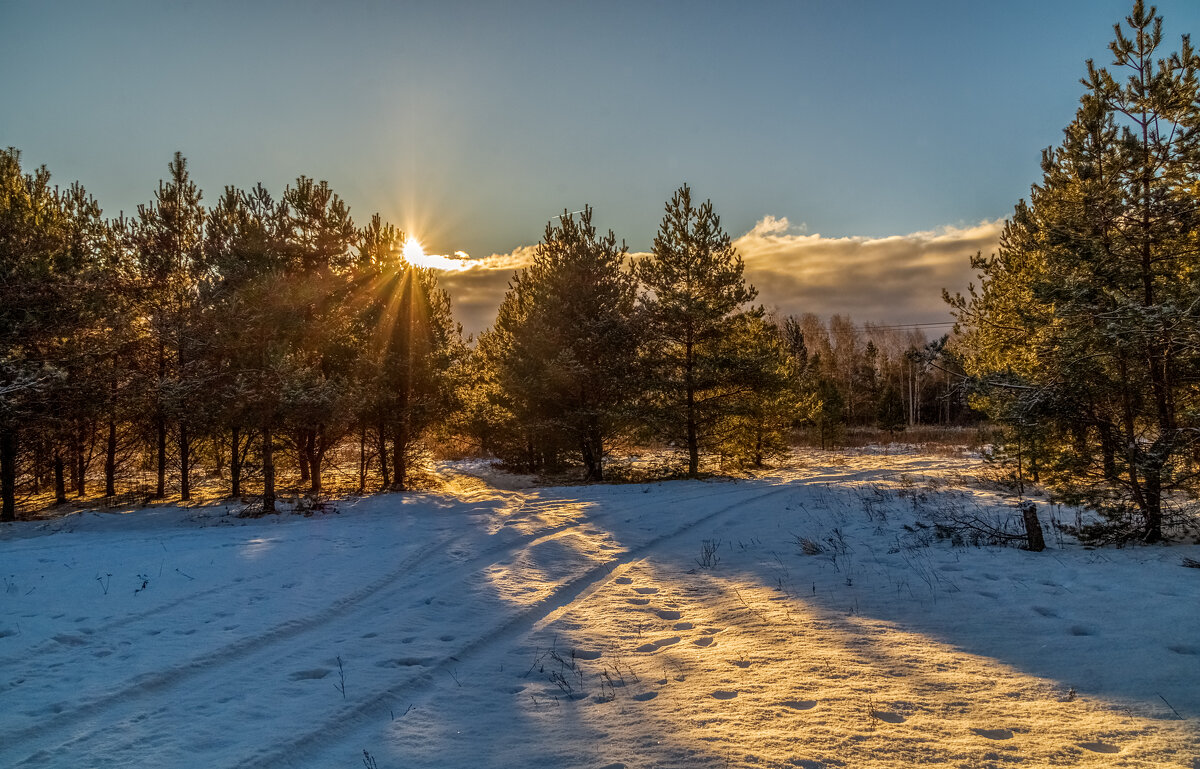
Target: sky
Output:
[(859, 144)]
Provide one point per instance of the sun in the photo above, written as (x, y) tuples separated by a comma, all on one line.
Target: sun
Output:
[(414, 253)]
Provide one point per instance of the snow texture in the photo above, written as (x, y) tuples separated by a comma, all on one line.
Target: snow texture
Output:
[(806, 618)]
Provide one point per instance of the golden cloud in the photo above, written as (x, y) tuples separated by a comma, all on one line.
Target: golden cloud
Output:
[(894, 279)]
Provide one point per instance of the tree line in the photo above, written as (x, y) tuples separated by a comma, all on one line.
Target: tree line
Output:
[(188, 341), (188, 338)]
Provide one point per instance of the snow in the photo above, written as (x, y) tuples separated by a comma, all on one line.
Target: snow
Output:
[(676, 624)]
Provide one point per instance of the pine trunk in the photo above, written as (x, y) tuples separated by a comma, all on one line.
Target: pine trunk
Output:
[(161, 490), (235, 462), (185, 460), (60, 485), (383, 456), (8, 474), (268, 470), (110, 460)]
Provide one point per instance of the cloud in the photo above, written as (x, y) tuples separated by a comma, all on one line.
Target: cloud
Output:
[(894, 279)]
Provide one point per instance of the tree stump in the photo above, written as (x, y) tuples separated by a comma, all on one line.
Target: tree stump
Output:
[(1033, 528)]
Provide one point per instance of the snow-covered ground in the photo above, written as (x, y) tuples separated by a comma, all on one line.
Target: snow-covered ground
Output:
[(806, 618)]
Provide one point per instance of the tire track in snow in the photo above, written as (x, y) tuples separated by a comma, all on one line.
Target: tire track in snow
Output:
[(360, 601), (575, 589)]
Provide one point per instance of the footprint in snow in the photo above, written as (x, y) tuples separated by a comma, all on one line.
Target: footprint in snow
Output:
[(994, 734), (743, 664), (1082, 630), (447, 638), (309, 675), (1180, 649), (645, 590), (586, 654), (623, 581), (705, 641), (656, 645), (800, 704), (989, 594), (683, 626), (724, 694), (1099, 747), (638, 601), (402, 662), (617, 765), (1045, 612), (645, 696), (668, 614), (888, 716)]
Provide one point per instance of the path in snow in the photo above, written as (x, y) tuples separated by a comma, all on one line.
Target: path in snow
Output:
[(581, 627)]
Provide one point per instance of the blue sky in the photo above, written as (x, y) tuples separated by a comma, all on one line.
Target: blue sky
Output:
[(470, 124)]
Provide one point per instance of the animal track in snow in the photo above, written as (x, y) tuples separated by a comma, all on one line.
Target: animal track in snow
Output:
[(623, 581), (683, 626), (309, 675), (668, 614), (994, 734), (638, 601), (1082, 630), (704, 641), (800, 704), (888, 716), (645, 696), (1045, 612), (586, 654), (1181, 649), (646, 590), (724, 694)]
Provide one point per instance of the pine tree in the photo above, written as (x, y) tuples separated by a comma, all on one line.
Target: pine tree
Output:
[(32, 225), (411, 345), (565, 343), (1080, 330), (696, 297), (170, 236)]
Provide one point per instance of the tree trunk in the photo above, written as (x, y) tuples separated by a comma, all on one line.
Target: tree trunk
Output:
[(161, 490), (316, 457), (302, 454), (400, 456), (110, 460), (60, 486), (185, 460), (1153, 507), (268, 470), (235, 462), (78, 462), (8, 474), (693, 441), (383, 456), (362, 460)]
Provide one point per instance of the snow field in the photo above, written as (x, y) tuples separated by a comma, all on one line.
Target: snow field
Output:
[(677, 624)]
